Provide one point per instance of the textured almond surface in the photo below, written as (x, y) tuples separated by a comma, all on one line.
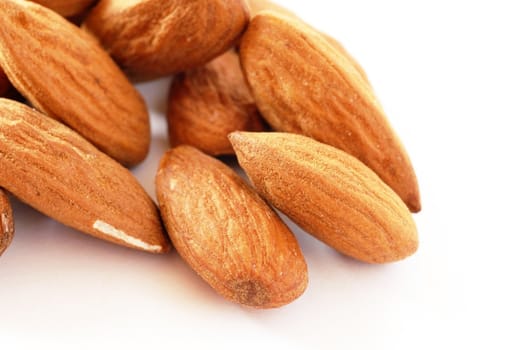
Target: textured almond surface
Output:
[(329, 193), (208, 103), (64, 73), (302, 85), (226, 232), (151, 38), (66, 7), (59, 173), (7, 227)]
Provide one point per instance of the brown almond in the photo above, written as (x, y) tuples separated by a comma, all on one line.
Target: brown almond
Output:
[(208, 103), (66, 8), (7, 227), (151, 38), (59, 173), (303, 85), (329, 193), (64, 73), (226, 232)]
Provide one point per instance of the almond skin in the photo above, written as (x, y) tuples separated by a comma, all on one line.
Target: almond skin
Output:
[(303, 85), (53, 169), (152, 38), (226, 232), (7, 227), (208, 103), (65, 74), (329, 193), (66, 8)]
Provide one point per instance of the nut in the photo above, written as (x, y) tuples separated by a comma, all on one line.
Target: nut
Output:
[(59, 173), (329, 193), (152, 38), (303, 85), (226, 232), (64, 73), (208, 103)]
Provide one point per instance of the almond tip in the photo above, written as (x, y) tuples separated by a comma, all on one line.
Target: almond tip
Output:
[(235, 137), (414, 204)]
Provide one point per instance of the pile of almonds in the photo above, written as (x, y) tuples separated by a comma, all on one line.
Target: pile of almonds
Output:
[(250, 79)]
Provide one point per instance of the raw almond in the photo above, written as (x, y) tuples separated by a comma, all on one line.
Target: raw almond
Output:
[(59, 173), (303, 85), (66, 8), (208, 103), (226, 232), (64, 73), (151, 38), (257, 6), (7, 227), (329, 193)]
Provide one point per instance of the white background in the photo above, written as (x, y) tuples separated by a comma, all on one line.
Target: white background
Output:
[(449, 74)]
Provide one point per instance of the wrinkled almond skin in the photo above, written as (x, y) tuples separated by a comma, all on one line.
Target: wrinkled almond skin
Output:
[(302, 85), (256, 6), (64, 73), (53, 169), (208, 103), (226, 232), (66, 8), (329, 193), (152, 38), (7, 227)]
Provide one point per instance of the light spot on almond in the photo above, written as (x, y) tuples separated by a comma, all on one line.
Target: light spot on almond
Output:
[(5, 223), (172, 184), (112, 231), (11, 122)]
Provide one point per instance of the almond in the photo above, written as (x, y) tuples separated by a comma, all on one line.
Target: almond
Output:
[(226, 232), (64, 73), (329, 193), (303, 85), (151, 38), (59, 173), (208, 103), (7, 227), (66, 8)]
